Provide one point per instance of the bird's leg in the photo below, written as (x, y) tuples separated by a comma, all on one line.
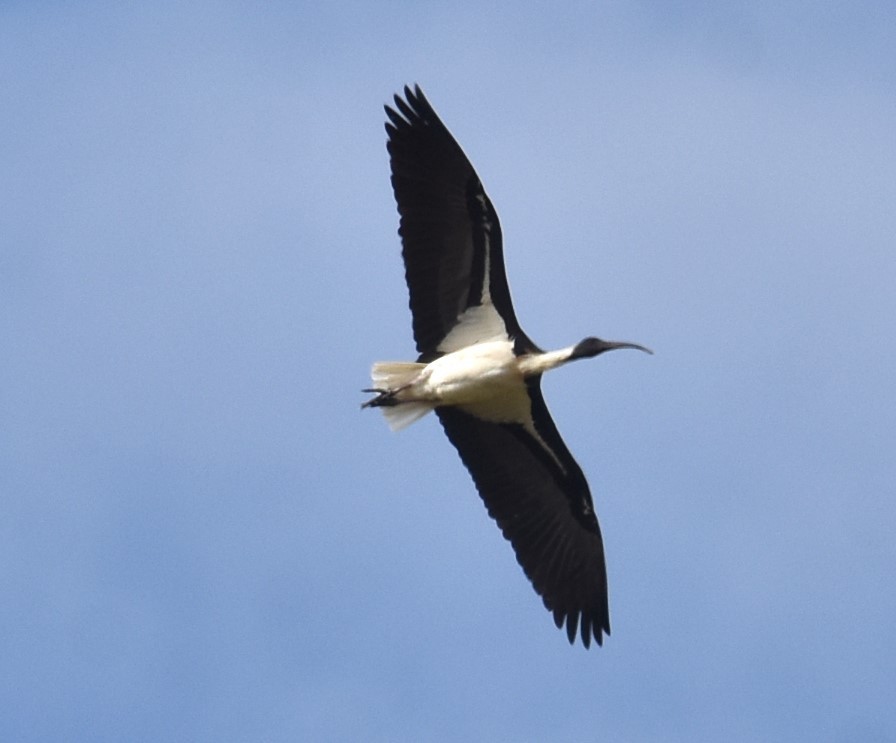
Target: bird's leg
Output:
[(384, 398)]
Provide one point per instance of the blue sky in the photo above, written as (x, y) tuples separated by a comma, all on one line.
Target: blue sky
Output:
[(204, 539)]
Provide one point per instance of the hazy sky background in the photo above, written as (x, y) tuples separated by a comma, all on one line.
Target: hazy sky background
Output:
[(202, 536)]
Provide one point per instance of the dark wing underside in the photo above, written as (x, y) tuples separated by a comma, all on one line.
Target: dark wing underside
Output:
[(450, 234), (544, 510)]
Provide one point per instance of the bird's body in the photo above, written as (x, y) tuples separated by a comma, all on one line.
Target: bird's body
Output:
[(470, 375), (481, 373), (488, 372)]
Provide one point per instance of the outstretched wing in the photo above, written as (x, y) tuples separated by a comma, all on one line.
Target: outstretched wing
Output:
[(451, 238), (533, 488)]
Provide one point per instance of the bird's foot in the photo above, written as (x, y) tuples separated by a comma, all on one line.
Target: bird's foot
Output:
[(384, 398)]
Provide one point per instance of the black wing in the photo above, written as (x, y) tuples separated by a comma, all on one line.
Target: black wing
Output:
[(537, 493), (449, 230)]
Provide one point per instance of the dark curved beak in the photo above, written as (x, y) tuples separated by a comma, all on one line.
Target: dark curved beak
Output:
[(613, 345)]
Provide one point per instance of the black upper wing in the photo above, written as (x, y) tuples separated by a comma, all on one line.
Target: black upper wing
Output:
[(538, 495), (450, 234)]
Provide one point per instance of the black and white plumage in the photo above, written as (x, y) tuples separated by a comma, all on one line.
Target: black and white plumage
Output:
[(482, 374)]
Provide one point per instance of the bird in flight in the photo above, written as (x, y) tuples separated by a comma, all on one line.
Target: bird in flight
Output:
[(481, 373)]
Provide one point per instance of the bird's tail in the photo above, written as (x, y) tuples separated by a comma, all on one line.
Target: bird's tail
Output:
[(389, 378)]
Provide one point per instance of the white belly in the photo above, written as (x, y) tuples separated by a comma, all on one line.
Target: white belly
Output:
[(484, 380), (479, 373)]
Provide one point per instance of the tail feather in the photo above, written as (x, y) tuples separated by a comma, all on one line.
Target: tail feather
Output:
[(389, 377), (402, 415)]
